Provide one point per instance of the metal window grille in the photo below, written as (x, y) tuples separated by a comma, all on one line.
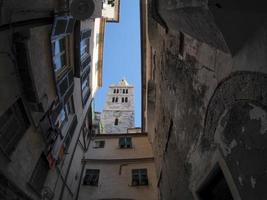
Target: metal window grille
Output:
[(91, 177)]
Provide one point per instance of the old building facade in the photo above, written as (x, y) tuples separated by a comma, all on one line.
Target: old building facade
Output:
[(48, 81), (204, 97), (119, 163)]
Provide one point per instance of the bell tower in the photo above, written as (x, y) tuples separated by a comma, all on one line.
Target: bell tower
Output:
[(118, 113)]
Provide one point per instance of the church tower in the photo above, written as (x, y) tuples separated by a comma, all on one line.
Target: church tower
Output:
[(118, 113)]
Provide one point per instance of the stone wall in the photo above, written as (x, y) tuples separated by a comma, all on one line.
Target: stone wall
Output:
[(209, 109)]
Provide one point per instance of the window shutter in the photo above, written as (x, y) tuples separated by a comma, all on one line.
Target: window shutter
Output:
[(128, 142), (85, 34), (70, 26), (63, 25), (121, 142), (85, 64), (65, 86)]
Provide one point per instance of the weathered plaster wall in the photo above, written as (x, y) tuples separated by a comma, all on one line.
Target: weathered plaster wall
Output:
[(206, 103)]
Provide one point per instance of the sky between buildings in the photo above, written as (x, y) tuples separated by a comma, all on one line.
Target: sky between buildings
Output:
[(122, 57)]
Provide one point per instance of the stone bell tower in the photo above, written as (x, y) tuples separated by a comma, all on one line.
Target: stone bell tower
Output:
[(118, 113)]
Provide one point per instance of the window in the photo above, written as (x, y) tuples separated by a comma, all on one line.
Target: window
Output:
[(111, 2), (116, 122), (215, 187), (59, 54), (117, 90), (39, 174), (139, 177), (69, 135), (69, 106), (122, 99), (84, 48), (126, 91), (113, 99), (125, 142), (99, 144), (116, 100), (114, 91), (13, 124), (126, 99), (181, 44), (61, 119), (123, 91), (91, 177)]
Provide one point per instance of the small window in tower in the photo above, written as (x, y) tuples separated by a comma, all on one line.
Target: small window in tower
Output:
[(126, 99), (117, 90), (123, 91), (116, 100), (126, 91), (116, 122), (114, 91), (113, 99), (122, 99)]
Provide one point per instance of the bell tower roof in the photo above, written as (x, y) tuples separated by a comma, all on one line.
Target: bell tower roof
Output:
[(123, 82)]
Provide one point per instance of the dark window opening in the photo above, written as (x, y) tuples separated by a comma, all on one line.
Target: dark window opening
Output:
[(114, 91), (215, 187), (126, 99), (13, 124), (122, 99), (91, 177), (39, 174), (116, 122), (181, 44), (116, 100), (125, 142), (113, 99), (123, 91), (126, 91), (139, 177), (117, 90), (99, 144)]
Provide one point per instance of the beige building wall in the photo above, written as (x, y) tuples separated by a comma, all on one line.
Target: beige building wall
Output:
[(141, 148), (115, 181), (116, 165)]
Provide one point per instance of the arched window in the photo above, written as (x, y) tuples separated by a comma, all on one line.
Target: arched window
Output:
[(116, 99), (126, 91), (126, 99), (114, 91), (113, 99), (122, 99), (123, 91), (117, 90), (116, 122)]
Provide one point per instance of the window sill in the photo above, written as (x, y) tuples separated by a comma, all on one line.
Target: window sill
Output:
[(139, 185)]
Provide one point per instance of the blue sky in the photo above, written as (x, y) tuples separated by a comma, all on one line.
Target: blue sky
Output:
[(122, 55)]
